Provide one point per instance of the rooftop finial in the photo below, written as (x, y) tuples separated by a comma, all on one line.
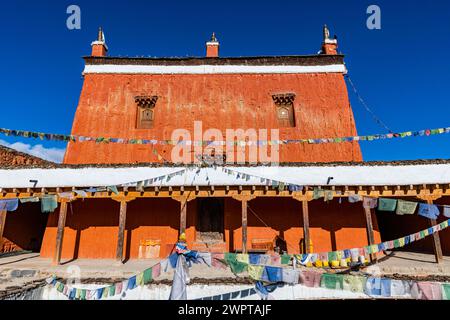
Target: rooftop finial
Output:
[(99, 47), (213, 37), (101, 35), (326, 33)]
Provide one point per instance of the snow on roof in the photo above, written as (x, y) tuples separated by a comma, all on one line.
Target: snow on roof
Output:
[(383, 175)]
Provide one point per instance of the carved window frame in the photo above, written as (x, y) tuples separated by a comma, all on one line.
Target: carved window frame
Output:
[(285, 102), (144, 105)]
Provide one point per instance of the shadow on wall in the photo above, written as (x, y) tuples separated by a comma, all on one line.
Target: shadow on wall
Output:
[(333, 225), (394, 226), (92, 225), (24, 228)]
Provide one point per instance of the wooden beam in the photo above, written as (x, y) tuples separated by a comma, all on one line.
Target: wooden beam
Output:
[(60, 232), (2, 227), (436, 240), (370, 234), (306, 236), (121, 234)]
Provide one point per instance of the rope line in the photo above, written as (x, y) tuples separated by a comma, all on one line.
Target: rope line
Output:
[(364, 104)]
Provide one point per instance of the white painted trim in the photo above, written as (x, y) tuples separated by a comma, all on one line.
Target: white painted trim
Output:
[(212, 43), (102, 43), (330, 41), (211, 69), (312, 175)]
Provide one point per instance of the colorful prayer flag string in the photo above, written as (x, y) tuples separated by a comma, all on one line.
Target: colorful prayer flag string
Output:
[(76, 138)]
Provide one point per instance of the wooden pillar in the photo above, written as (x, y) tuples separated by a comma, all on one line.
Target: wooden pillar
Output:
[(244, 226), (436, 240), (183, 199), (244, 198), (370, 234), (2, 227), (60, 231), (183, 213), (304, 198), (122, 224), (427, 196), (121, 234), (306, 237)]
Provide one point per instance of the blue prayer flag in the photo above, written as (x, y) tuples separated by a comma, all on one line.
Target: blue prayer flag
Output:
[(253, 258), (274, 274), (99, 293), (429, 211), (131, 283)]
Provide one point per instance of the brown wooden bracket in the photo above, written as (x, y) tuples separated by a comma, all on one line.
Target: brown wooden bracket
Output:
[(187, 196), (244, 196), (425, 195), (123, 198), (299, 196)]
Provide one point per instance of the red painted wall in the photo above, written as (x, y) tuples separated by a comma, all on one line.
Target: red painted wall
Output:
[(107, 108), (92, 225)]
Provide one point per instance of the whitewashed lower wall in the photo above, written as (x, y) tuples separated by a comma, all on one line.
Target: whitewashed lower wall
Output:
[(161, 292)]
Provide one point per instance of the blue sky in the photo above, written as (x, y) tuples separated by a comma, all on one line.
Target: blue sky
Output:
[(402, 70)]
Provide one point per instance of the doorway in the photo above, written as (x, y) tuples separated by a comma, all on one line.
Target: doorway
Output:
[(210, 219)]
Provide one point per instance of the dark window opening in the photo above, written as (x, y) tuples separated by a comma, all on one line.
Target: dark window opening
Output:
[(210, 219)]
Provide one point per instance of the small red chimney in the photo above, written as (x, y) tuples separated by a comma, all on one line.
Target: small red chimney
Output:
[(212, 47), (99, 47), (329, 46)]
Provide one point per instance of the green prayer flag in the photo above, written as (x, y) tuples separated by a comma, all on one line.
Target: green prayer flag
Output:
[(48, 203), (317, 193), (332, 256), (422, 234), (406, 207), (285, 258), (83, 294), (113, 189), (236, 266), (331, 281), (112, 290), (386, 204), (148, 275), (354, 283), (446, 291), (396, 243)]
